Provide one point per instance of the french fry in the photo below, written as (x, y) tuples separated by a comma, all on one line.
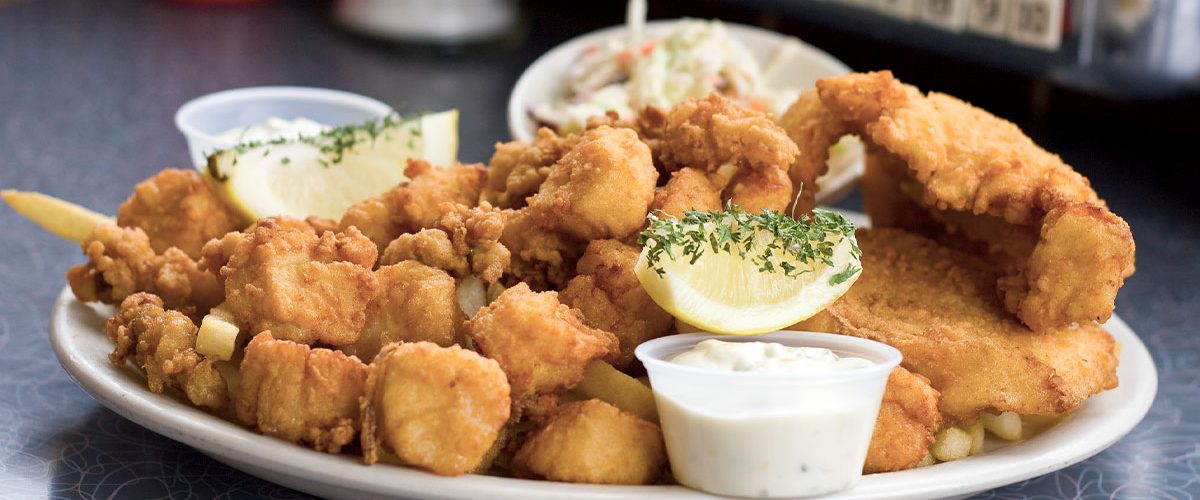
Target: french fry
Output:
[(218, 335), (603, 382), (976, 432), (1005, 426), (65, 219), (927, 461), (951, 443)]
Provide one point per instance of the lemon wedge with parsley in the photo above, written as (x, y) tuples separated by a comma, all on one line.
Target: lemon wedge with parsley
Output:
[(325, 174), (744, 274)]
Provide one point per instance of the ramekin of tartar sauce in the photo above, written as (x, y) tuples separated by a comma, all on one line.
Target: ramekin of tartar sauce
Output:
[(783, 414), (224, 119)]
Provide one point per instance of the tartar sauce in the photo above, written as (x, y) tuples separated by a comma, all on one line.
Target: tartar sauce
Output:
[(766, 357), (770, 439), (271, 129)]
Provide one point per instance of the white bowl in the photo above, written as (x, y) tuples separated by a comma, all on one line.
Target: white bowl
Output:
[(202, 119), (543, 81)]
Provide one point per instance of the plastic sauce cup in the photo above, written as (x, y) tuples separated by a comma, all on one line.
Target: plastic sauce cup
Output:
[(202, 119), (759, 434)]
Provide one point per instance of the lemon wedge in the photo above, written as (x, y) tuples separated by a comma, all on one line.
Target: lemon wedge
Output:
[(324, 175), (731, 292)]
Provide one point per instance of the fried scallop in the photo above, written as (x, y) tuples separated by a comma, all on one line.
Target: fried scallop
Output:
[(178, 208), (593, 442), (436, 408), (415, 303), (301, 394), (908, 419)]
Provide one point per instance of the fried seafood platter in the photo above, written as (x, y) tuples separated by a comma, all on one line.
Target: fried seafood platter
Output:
[(481, 319)]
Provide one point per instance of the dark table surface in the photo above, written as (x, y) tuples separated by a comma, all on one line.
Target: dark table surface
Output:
[(87, 94)]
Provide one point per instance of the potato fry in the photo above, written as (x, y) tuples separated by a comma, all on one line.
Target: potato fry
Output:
[(65, 219), (976, 432), (951, 443), (603, 382), (218, 335), (927, 461), (1005, 426)]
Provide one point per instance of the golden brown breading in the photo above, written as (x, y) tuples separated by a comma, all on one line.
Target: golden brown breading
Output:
[(122, 262), (908, 419), (938, 307), (301, 394), (464, 242), (541, 344), (963, 159), (162, 343), (814, 129), (518, 168), (612, 299), (281, 276), (178, 208), (415, 303), (593, 442), (688, 189), (436, 408), (601, 188), (413, 205), (541, 258)]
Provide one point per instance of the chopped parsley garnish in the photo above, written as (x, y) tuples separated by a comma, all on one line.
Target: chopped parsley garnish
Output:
[(774, 242)]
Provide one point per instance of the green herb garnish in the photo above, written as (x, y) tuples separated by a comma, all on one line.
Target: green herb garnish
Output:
[(773, 241), (334, 143)]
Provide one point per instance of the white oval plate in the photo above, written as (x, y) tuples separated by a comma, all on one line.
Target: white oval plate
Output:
[(543, 80), (77, 335)]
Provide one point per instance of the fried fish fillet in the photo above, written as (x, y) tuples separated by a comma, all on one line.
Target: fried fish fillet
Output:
[(937, 306), (980, 177)]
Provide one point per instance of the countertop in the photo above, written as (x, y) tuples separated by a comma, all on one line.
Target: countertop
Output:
[(87, 95)]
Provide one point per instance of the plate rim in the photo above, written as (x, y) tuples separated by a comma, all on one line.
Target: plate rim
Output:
[(342, 475)]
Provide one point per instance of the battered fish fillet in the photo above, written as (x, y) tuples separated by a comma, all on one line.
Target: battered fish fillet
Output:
[(593, 442), (121, 262), (687, 189), (743, 152), (178, 208), (908, 419), (464, 241), (301, 394), (415, 303), (518, 168), (601, 188), (436, 408), (413, 205), (541, 344), (979, 174), (612, 299), (937, 306), (162, 343), (280, 276)]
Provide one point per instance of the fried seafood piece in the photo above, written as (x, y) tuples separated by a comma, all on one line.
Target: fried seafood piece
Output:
[(178, 208), (601, 188), (121, 262), (162, 343), (518, 168), (814, 129), (687, 189), (415, 303), (612, 299), (464, 241), (908, 419), (593, 442), (437, 408), (938, 307), (744, 153), (541, 344), (981, 174), (301, 394), (281, 276), (541, 258), (413, 205)]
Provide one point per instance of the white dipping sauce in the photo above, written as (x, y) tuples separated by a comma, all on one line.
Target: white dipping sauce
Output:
[(774, 439), (271, 129)]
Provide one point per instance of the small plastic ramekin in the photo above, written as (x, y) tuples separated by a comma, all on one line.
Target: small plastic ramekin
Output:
[(202, 119), (768, 434)]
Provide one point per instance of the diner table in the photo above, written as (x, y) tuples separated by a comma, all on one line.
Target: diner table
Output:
[(88, 91)]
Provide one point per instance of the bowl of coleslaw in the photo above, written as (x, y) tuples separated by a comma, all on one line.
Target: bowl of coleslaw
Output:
[(661, 63)]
